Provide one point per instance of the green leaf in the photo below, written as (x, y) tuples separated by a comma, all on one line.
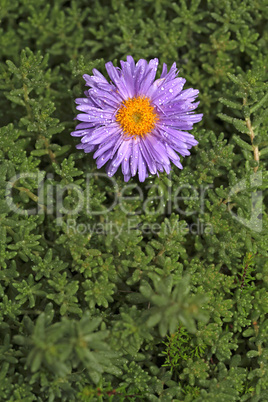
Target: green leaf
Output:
[(243, 144)]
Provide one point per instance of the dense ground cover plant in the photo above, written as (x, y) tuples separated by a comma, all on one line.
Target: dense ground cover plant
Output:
[(139, 291)]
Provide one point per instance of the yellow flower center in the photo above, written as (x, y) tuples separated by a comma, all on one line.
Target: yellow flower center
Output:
[(137, 116)]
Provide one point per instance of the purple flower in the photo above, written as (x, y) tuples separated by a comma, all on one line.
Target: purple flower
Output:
[(136, 121)]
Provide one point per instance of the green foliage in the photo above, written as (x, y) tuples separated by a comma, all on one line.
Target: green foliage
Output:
[(154, 291), (179, 348)]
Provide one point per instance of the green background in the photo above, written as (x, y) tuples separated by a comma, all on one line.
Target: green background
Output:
[(156, 312)]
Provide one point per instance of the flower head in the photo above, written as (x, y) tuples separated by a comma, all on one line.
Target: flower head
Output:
[(136, 121)]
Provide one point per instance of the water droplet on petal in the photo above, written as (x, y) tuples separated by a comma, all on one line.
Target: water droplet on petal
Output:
[(171, 90), (162, 88)]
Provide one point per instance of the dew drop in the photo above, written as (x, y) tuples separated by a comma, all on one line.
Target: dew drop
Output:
[(171, 90), (162, 88)]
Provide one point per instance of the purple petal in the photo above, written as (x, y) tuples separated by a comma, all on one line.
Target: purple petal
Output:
[(103, 158), (94, 117), (148, 157), (142, 168), (101, 134), (118, 80), (167, 168), (87, 148), (168, 91), (117, 144), (173, 156), (134, 157), (154, 87), (188, 93), (80, 133), (126, 160), (159, 167), (170, 133), (164, 71), (110, 169), (131, 62), (141, 68), (173, 72), (127, 176), (176, 107), (95, 112), (109, 98), (92, 81), (122, 151), (82, 101), (149, 77), (82, 126), (182, 151), (157, 149), (177, 163), (127, 78), (177, 122), (98, 74), (106, 145)]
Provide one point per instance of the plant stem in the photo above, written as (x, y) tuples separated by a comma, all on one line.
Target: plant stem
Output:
[(252, 136)]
